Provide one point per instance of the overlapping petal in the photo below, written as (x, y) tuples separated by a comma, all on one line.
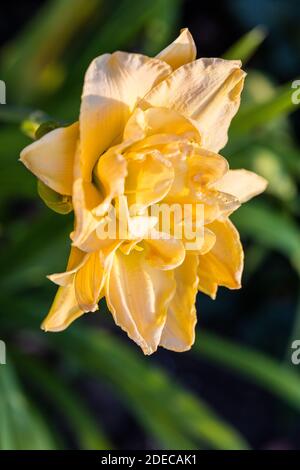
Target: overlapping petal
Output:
[(89, 281), (113, 83), (242, 184), (51, 158), (179, 330), (138, 296), (207, 91), (63, 311), (181, 51), (223, 264), (164, 252)]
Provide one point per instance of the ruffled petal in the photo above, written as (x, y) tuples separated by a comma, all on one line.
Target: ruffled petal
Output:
[(85, 198), (138, 296), (76, 259), (223, 264), (207, 91), (242, 184), (113, 83), (63, 311), (179, 330), (89, 281), (158, 125), (51, 158), (179, 52), (164, 252), (150, 176)]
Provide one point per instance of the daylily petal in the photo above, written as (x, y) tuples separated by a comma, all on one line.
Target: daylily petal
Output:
[(164, 253), (138, 296), (85, 198), (89, 281), (157, 122), (242, 184), (179, 330), (179, 52), (110, 174), (63, 311), (113, 83), (207, 91), (223, 264), (202, 243), (149, 179), (51, 158), (76, 259)]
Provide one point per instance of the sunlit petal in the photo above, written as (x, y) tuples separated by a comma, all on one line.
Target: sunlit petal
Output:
[(242, 184), (207, 91), (223, 264), (181, 51), (51, 158), (138, 296), (179, 330), (113, 83), (63, 311)]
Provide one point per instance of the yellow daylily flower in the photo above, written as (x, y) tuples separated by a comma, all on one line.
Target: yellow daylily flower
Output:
[(148, 135)]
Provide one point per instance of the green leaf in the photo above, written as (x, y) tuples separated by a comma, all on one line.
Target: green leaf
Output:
[(84, 426), (262, 370), (34, 54), (21, 427), (270, 228), (162, 26), (256, 116), (247, 45), (172, 415), (55, 201)]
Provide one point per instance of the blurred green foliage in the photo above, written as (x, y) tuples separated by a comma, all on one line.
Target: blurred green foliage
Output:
[(44, 67)]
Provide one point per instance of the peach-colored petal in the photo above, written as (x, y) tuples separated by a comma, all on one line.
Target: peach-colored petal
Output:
[(206, 91), (89, 281), (51, 158), (63, 311), (179, 330), (179, 52), (149, 178), (138, 296), (242, 184), (164, 252), (113, 83), (223, 264), (76, 259)]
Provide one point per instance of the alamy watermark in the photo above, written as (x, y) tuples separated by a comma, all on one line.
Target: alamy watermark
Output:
[(2, 353), (295, 357), (296, 93), (159, 221), (2, 92)]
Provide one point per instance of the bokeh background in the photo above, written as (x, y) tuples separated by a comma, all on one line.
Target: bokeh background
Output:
[(90, 387)]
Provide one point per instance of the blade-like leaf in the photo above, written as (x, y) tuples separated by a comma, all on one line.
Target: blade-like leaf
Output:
[(84, 426), (247, 45), (173, 416), (258, 115), (275, 377), (271, 228), (21, 428)]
